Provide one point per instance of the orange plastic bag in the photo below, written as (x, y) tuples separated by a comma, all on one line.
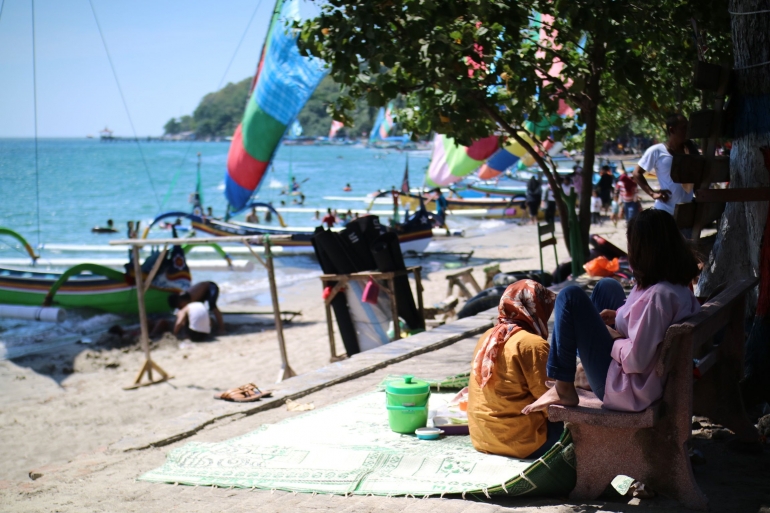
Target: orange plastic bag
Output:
[(600, 266)]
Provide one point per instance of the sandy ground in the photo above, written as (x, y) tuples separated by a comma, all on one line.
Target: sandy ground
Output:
[(105, 479), (72, 397)]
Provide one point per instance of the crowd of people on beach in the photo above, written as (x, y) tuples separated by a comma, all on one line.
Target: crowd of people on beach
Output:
[(618, 197)]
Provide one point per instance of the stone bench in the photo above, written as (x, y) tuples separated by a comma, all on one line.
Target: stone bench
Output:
[(651, 446)]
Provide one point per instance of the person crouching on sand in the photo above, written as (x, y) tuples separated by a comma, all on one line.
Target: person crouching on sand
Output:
[(193, 314), (509, 372), (618, 338)]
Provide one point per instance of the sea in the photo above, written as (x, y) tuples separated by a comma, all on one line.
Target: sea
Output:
[(81, 183)]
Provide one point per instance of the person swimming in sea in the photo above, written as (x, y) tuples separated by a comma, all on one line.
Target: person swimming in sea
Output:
[(110, 228), (347, 188)]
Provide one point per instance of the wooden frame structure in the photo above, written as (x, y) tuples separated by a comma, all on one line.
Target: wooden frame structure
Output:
[(461, 279), (546, 229), (143, 284), (389, 288)]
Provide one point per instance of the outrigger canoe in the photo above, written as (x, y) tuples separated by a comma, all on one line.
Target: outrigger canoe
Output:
[(94, 286), (414, 235), (28, 287)]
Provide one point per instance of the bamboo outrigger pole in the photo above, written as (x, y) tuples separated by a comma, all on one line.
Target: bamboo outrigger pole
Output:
[(141, 287)]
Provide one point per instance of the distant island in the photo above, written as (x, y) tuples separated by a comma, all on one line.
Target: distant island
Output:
[(218, 113)]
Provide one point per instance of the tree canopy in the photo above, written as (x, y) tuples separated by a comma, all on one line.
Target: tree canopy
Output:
[(472, 68)]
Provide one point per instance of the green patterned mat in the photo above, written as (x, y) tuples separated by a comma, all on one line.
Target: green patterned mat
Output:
[(348, 448)]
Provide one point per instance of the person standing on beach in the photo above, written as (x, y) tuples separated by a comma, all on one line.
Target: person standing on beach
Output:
[(606, 183), (596, 207), (550, 206), (441, 206), (534, 197), (659, 157), (329, 219), (625, 193)]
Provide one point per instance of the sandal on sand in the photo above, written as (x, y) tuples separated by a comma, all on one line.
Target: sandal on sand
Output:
[(244, 394)]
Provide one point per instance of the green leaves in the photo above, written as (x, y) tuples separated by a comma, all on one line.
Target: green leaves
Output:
[(454, 59)]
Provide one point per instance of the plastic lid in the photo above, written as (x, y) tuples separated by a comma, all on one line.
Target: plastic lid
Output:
[(407, 386)]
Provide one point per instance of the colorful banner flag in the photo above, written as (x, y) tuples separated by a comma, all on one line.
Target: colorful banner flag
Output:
[(283, 84), (450, 162), (336, 126)]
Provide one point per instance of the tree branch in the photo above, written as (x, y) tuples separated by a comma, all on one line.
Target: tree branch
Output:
[(550, 176)]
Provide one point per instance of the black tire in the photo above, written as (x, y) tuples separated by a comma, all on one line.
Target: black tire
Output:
[(545, 279), (484, 300)]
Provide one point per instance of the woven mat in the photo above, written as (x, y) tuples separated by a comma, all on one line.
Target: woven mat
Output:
[(348, 448)]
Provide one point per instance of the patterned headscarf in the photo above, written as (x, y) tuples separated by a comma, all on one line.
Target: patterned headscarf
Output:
[(525, 305)]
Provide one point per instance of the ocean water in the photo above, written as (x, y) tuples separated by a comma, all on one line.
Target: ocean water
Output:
[(84, 182), (81, 183)]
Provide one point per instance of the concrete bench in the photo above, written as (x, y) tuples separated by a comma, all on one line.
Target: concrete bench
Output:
[(651, 446)]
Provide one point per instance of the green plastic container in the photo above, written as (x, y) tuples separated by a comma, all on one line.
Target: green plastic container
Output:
[(407, 404)]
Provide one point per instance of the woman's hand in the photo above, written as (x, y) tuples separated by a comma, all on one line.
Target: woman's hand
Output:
[(608, 316), (614, 334)]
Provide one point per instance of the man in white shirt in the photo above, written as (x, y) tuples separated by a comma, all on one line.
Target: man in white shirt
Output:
[(659, 157), (195, 316)]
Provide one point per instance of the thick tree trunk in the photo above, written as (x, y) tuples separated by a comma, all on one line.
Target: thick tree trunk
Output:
[(736, 252)]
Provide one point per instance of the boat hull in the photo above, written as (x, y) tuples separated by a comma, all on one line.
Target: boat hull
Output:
[(22, 287), (301, 241)]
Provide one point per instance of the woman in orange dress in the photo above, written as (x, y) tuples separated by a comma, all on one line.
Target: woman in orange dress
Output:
[(509, 372)]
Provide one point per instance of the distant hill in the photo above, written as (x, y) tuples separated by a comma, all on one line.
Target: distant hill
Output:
[(219, 113)]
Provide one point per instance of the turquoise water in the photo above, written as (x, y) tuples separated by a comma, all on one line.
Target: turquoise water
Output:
[(84, 182)]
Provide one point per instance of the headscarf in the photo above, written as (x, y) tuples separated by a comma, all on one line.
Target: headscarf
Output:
[(525, 305)]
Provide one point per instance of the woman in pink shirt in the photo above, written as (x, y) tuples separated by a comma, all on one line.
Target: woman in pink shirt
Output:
[(619, 363)]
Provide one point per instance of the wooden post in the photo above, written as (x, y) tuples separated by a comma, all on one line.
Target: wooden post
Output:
[(149, 365), (394, 308), (154, 270), (286, 371), (418, 286), (330, 331)]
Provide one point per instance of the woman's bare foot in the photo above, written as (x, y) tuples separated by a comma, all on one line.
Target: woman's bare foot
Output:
[(563, 393)]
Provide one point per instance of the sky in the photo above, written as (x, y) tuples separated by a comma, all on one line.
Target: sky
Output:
[(167, 56)]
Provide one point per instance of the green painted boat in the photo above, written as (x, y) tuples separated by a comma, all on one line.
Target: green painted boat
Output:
[(29, 287), (92, 285)]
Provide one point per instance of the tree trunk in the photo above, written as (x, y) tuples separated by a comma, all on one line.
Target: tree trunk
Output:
[(736, 251), (590, 110), (589, 154)]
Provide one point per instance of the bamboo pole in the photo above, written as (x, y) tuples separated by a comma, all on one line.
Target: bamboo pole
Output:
[(286, 370), (155, 268), (394, 308), (149, 365), (145, 340)]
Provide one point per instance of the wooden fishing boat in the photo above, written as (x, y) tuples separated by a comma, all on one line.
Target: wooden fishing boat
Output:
[(413, 235), (30, 287), (94, 286)]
